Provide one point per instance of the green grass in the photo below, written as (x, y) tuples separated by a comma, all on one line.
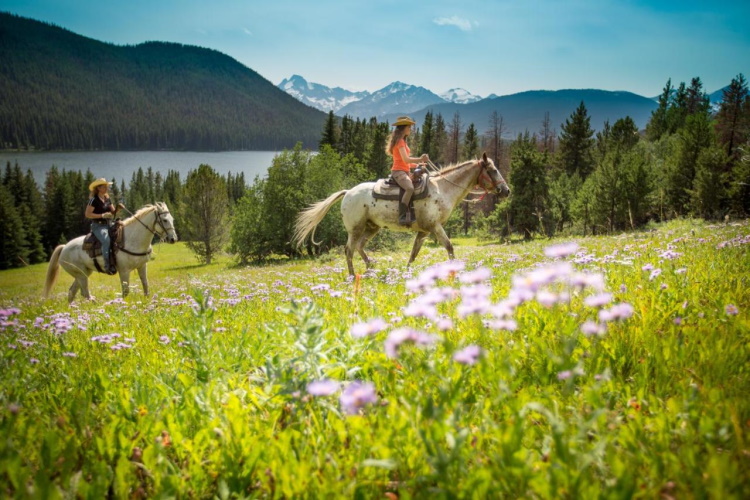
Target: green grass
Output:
[(210, 398)]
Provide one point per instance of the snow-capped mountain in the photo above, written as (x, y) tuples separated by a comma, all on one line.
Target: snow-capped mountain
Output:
[(460, 96), (319, 96), (397, 98)]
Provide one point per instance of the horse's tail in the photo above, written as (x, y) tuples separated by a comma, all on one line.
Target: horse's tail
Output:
[(53, 270), (309, 218)]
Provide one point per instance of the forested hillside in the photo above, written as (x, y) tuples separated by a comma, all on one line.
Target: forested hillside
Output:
[(64, 91)]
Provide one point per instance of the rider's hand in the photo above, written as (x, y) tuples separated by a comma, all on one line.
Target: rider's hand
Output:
[(120, 206), (425, 158), (108, 215)]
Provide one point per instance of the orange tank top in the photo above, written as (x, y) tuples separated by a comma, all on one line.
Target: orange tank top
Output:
[(398, 162)]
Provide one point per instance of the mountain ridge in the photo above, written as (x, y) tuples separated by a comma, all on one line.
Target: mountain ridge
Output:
[(64, 91)]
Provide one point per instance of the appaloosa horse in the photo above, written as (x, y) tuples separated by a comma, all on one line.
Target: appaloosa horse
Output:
[(364, 216)]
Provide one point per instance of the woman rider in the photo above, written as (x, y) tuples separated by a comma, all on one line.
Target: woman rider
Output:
[(101, 212), (399, 150)]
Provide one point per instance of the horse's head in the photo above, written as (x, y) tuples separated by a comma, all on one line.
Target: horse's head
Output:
[(164, 223), (490, 178)]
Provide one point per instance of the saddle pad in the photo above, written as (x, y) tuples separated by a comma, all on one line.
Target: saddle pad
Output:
[(94, 248), (384, 190)]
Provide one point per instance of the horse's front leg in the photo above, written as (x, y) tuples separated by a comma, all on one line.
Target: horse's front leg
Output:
[(144, 279), (444, 240), (125, 282), (417, 246)]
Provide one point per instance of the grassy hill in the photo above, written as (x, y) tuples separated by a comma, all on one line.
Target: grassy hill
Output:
[(623, 374), (63, 91)]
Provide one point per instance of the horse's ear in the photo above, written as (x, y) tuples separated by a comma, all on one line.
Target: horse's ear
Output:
[(484, 157)]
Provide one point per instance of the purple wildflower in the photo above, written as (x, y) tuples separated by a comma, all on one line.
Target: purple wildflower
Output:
[(360, 330), (616, 312), (561, 250), (405, 335), (33, 361), (502, 324), (590, 328), (478, 275), (322, 387), (468, 355), (681, 270), (654, 274), (647, 267), (678, 321), (70, 355), (731, 310), (564, 375), (598, 300), (444, 324), (164, 339), (356, 396)]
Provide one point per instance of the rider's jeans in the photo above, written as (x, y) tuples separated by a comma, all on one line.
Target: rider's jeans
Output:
[(101, 231)]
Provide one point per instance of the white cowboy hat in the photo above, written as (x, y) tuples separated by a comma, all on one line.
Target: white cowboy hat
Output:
[(99, 182), (404, 120)]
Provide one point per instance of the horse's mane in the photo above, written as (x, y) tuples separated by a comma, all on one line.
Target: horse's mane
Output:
[(138, 214), (453, 166)]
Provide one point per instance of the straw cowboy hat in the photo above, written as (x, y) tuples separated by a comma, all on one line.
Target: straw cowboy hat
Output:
[(99, 182), (404, 120)]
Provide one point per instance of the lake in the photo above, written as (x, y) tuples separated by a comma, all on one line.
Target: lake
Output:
[(121, 164)]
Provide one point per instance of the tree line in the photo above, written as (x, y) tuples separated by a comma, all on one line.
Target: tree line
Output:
[(690, 161)]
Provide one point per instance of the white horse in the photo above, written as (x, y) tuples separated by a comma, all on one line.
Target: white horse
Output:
[(364, 216), (138, 232)]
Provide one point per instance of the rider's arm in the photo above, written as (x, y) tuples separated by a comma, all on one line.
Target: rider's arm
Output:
[(406, 159), (90, 213)]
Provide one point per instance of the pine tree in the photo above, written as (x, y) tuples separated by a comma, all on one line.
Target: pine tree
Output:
[(13, 247), (732, 120), (440, 141), (205, 213), (495, 137), (428, 133), (657, 125), (378, 163), (471, 143), (709, 194), (330, 136), (694, 137), (529, 186), (454, 138), (576, 142)]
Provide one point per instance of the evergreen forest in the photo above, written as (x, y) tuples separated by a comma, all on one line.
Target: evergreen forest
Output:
[(63, 91)]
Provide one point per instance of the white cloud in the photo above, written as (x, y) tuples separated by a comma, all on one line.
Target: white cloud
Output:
[(247, 31), (458, 22)]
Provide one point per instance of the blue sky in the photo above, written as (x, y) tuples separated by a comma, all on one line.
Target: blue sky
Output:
[(484, 46)]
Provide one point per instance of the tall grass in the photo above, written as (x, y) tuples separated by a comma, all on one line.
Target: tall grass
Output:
[(617, 369)]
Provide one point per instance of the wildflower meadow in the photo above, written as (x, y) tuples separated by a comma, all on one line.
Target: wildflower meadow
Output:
[(614, 367)]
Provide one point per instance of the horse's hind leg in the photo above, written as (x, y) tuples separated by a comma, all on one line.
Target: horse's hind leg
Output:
[(370, 231), (83, 283), (73, 291), (417, 247), (355, 234)]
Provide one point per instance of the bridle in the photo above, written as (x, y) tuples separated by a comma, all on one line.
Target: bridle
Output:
[(484, 176), (157, 220)]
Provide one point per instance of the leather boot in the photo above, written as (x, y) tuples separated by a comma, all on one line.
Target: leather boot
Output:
[(404, 215)]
